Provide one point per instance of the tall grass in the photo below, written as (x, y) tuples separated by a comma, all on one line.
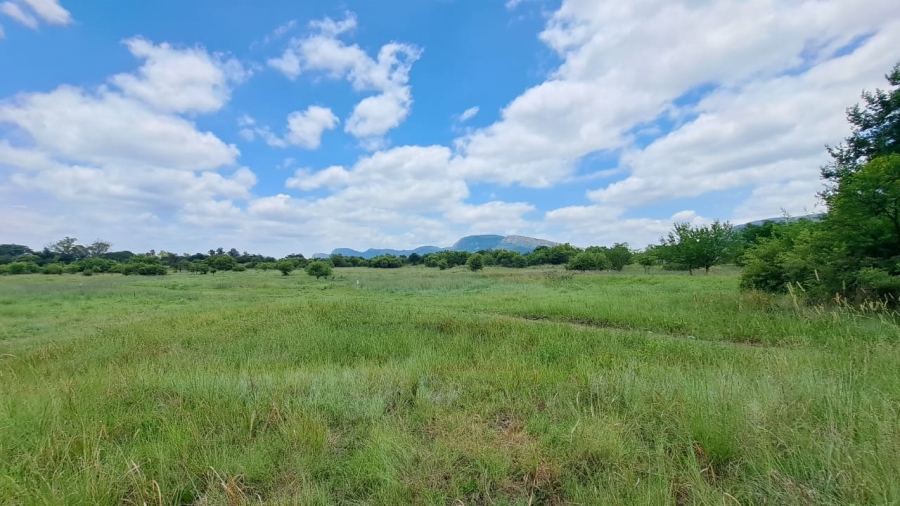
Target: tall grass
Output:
[(428, 387)]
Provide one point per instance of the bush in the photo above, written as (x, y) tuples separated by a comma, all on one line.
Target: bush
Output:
[(285, 266), (200, 267), (475, 262), (319, 269), (239, 268), (53, 269), (23, 268), (589, 262), (878, 283)]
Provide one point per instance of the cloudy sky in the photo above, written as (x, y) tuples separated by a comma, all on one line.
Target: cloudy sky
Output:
[(284, 126)]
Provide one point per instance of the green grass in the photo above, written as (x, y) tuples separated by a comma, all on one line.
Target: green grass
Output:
[(531, 386)]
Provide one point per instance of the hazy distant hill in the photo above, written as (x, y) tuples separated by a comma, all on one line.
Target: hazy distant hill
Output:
[(471, 244), (781, 219), (372, 252)]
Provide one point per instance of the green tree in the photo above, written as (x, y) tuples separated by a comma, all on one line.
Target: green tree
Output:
[(647, 258), (98, 248), (875, 132), (619, 255), (221, 262), (319, 269), (589, 261), (695, 247), (865, 209), (285, 266), (475, 262)]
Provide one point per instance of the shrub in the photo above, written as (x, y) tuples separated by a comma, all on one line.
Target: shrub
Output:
[(319, 269), (239, 268), (23, 268), (589, 262), (475, 262), (285, 266), (53, 269)]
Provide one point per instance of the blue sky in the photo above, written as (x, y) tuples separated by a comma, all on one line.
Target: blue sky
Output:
[(283, 127)]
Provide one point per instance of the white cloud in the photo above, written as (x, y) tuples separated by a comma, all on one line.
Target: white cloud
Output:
[(280, 31), (179, 80), (305, 128), (603, 225), (332, 177), (107, 128), (388, 74), (116, 161), (468, 114), (49, 10), (288, 64), (794, 197), (375, 116), (625, 64), (14, 11)]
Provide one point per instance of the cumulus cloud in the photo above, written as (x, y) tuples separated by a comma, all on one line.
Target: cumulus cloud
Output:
[(625, 66), (686, 98), (123, 154), (179, 80), (305, 128), (387, 74)]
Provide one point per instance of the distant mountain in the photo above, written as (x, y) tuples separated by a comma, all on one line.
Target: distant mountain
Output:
[(471, 244), (372, 252), (474, 243), (781, 219)]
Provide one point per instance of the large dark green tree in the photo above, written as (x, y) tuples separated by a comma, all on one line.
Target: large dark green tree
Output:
[(875, 127)]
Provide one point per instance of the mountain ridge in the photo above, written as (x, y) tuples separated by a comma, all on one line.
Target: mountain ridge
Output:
[(471, 243)]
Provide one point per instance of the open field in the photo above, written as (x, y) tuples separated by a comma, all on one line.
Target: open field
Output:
[(429, 387)]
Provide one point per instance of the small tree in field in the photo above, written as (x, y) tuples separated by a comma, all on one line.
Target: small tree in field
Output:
[(285, 266), (319, 269), (695, 247), (475, 262)]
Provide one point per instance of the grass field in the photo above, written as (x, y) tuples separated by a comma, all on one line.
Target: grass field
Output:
[(428, 387)]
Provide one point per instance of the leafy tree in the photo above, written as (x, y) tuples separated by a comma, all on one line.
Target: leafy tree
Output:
[(865, 208), (285, 266), (319, 269), (875, 132), (414, 259), (98, 248), (119, 256), (698, 247), (385, 262), (589, 261), (8, 252), (619, 255), (506, 258), (647, 258), (475, 262), (200, 267), (68, 249), (221, 262)]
